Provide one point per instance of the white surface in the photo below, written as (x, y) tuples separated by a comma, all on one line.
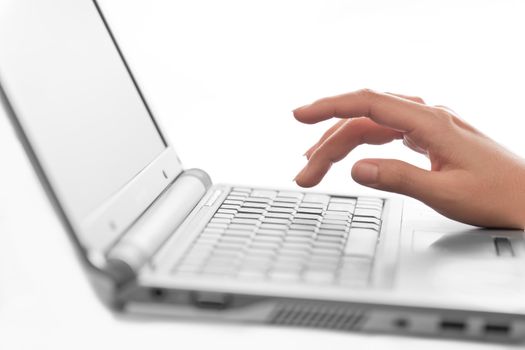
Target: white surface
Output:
[(223, 78)]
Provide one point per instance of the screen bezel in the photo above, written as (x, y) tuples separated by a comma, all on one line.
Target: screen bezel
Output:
[(97, 232)]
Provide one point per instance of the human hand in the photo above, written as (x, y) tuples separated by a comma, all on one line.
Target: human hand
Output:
[(471, 178)]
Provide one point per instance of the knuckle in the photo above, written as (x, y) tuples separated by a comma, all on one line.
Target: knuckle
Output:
[(419, 99), (443, 116), (368, 93), (321, 154)]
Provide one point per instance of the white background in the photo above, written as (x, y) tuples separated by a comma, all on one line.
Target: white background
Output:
[(223, 77)]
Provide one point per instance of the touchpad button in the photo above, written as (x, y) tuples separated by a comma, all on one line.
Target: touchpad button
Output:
[(503, 247), (464, 244)]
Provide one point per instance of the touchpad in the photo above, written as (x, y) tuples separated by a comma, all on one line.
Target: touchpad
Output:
[(466, 262), (474, 243)]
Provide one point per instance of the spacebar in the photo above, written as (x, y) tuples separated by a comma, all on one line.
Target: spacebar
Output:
[(362, 242)]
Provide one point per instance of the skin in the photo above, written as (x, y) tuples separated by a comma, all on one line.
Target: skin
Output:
[(471, 179)]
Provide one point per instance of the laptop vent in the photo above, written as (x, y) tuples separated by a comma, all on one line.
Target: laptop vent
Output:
[(319, 316)]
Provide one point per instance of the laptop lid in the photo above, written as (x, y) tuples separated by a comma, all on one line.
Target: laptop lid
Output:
[(81, 116)]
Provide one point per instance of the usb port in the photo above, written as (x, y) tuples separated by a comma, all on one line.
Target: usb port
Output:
[(452, 326), (497, 329)]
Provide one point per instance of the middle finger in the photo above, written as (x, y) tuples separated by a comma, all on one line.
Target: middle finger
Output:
[(350, 135)]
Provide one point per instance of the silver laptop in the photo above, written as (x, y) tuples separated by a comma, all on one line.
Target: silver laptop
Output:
[(158, 238)]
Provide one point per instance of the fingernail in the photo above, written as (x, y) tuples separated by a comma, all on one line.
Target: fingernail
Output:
[(307, 154), (366, 173), (298, 175), (302, 107)]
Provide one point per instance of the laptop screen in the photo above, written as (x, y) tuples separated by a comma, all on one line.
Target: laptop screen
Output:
[(78, 105)]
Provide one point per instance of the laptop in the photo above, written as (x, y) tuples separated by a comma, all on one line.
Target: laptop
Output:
[(160, 239)]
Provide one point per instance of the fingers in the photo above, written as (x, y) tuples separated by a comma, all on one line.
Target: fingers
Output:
[(396, 176), (339, 143), (385, 109), (340, 123), (326, 135)]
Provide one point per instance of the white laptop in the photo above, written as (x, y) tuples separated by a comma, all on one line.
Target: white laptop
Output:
[(158, 238)]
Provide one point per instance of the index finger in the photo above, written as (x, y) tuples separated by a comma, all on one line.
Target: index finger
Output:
[(385, 109)]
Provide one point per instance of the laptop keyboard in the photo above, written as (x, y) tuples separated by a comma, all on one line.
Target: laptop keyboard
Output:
[(288, 237)]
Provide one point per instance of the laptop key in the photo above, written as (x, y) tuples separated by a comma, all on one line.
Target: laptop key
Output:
[(218, 220), (312, 205), (241, 227), (335, 222), (346, 200), (270, 232), (310, 211), (308, 216), (369, 225), (258, 200), (301, 233), (263, 193), (302, 227), (233, 202), (224, 216), (277, 204), (217, 225), (275, 221), (332, 227), (249, 204), (263, 238), (368, 219), (316, 198), (269, 226), (226, 211), (236, 198), (333, 233), (278, 215), (246, 221), (341, 207), (249, 216), (375, 213), (264, 245), (309, 222), (296, 195), (341, 216), (211, 231), (251, 210), (331, 239), (232, 207), (361, 242), (281, 210)]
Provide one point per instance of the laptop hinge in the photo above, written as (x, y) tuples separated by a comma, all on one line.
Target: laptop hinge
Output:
[(140, 242)]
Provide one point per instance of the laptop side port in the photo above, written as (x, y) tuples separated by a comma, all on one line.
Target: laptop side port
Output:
[(452, 326), (157, 293), (210, 300), (497, 329), (401, 323)]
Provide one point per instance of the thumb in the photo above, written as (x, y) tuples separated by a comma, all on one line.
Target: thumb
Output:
[(394, 176)]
